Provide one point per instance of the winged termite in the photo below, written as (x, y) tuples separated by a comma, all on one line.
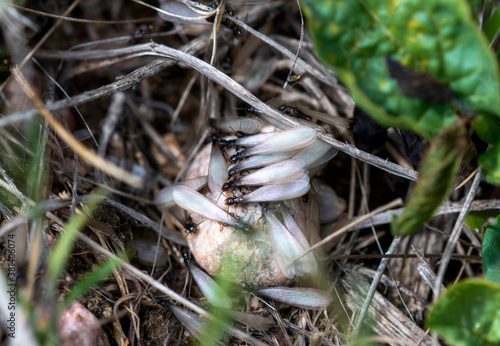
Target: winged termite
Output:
[(176, 12), (190, 227), (247, 125), (295, 138), (260, 161), (248, 141), (195, 202), (286, 247), (165, 198), (307, 298), (251, 320), (210, 289), (312, 152), (276, 192), (217, 168), (292, 226), (271, 174), (327, 156), (308, 114), (193, 322)]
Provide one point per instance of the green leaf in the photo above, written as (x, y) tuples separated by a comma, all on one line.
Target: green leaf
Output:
[(437, 174), (435, 38), (468, 314), (476, 219), (491, 251)]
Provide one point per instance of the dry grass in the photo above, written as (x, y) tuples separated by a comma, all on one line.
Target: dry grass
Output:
[(120, 110)]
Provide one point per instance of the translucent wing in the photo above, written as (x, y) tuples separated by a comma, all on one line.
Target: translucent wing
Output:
[(287, 140), (195, 202), (217, 169), (165, 198), (279, 192), (210, 289), (307, 298), (273, 173)]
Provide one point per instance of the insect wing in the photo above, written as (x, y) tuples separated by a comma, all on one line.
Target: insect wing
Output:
[(210, 289), (165, 198), (260, 161), (272, 173), (285, 247), (197, 203), (250, 141), (307, 298), (247, 125), (193, 322), (306, 264), (251, 320), (334, 120), (287, 140), (279, 192), (313, 152), (217, 169), (176, 12), (327, 156)]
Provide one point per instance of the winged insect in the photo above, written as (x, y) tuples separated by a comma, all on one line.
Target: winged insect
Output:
[(313, 152), (260, 161), (193, 322), (165, 199), (248, 125), (248, 141), (210, 289), (307, 298), (195, 202), (286, 247), (282, 171), (308, 114), (217, 168), (295, 138), (275, 192)]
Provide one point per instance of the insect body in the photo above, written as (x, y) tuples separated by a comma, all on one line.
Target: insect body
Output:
[(195, 202)]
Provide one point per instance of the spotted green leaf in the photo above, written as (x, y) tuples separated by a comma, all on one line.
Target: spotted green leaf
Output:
[(439, 39)]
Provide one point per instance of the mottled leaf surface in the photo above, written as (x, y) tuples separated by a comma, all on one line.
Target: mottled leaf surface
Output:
[(437, 38)]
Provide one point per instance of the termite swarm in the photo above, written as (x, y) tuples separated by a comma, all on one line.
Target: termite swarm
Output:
[(235, 236)]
